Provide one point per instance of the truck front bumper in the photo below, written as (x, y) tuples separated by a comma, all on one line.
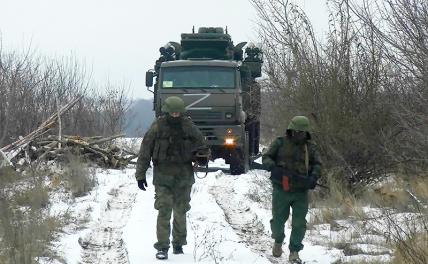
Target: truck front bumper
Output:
[(228, 136)]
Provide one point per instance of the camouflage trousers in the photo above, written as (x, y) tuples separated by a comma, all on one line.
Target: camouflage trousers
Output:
[(170, 200), (281, 203)]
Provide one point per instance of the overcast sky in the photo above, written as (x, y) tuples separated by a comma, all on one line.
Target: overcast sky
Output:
[(119, 40)]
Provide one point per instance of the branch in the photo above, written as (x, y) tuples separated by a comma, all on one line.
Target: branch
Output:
[(42, 129), (5, 161)]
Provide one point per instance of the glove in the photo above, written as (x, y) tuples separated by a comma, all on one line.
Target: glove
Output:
[(202, 161), (268, 165), (142, 184), (276, 173), (202, 155), (312, 182)]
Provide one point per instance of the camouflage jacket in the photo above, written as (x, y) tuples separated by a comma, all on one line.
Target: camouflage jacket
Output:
[(170, 147), (290, 155)]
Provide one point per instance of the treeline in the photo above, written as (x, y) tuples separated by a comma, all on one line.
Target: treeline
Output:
[(33, 88), (364, 85)]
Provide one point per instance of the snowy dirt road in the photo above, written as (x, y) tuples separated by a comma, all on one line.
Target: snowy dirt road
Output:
[(224, 226)]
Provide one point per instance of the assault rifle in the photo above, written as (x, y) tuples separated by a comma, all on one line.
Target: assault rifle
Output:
[(284, 176)]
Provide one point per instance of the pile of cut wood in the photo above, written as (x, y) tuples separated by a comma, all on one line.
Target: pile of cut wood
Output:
[(97, 149), (38, 146)]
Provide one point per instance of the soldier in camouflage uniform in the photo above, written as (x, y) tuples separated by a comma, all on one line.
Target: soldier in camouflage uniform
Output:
[(293, 154), (170, 143)]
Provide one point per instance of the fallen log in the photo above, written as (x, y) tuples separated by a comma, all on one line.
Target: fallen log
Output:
[(11, 149), (99, 141)]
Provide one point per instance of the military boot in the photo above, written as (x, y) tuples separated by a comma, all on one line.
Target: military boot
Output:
[(277, 249), (177, 250), (162, 254), (294, 258)]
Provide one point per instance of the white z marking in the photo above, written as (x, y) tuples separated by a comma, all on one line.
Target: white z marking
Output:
[(190, 106)]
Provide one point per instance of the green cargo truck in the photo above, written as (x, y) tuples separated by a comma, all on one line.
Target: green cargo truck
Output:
[(217, 81)]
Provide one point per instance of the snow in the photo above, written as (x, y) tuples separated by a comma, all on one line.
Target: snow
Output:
[(224, 225), (209, 236)]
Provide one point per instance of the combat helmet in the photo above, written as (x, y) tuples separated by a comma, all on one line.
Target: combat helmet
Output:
[(299, 123), (173, 104)]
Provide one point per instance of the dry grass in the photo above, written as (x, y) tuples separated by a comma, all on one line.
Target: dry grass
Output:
[(26, 228), (79, 178), (418, 185), (388, 195), (36, 197), (418, 253), (401, 234), (335, 204)]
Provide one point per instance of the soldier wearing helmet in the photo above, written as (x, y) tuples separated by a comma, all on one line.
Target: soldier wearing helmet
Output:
[(295, 168), (170, 143)]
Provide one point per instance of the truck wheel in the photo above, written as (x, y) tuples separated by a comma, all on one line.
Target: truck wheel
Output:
[(237, 162)]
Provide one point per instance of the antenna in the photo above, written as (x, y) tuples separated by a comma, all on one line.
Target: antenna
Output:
[(193, 29), (226, 29)]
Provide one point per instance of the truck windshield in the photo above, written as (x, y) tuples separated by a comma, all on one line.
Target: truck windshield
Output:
[(201, 77)]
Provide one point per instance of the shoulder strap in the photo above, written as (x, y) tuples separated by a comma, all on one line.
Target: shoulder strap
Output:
[(307, 159)]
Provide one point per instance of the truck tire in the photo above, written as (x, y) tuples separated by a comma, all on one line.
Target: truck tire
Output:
[(254, 137), (239, 160)]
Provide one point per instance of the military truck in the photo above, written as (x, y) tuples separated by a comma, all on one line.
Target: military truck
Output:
[(217, 82)]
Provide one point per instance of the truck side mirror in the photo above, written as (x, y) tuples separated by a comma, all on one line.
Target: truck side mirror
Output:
[(149, 79)]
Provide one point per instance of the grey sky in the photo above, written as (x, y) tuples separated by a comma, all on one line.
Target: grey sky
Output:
[(120, 40)]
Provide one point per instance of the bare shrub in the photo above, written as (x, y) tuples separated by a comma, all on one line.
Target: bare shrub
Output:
[(418, 186), (79, 177), (364, 92), (32, 87), (26, 229), (413, 249), (207, 244), (405, 233)]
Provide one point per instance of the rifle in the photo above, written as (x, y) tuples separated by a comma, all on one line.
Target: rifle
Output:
[(283, 176), (201, 157)]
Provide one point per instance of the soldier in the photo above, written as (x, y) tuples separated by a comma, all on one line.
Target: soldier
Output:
[(170, 143), (295, 168)]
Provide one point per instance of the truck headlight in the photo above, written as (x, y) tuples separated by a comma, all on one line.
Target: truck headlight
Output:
[(229, 141)]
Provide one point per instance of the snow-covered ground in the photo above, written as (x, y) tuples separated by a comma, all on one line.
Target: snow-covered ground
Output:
[(224, 225)]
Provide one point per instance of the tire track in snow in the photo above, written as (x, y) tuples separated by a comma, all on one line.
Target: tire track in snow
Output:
[(244, 221), (104, 242)]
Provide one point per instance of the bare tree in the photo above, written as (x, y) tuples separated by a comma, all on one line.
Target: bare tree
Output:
[(400, 28), (31, 86), (337, 83)]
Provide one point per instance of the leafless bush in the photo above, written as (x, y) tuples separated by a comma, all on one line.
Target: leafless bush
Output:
[(400, 29), (405, 233), (32, 88), (365, 93), (206, 244), (26, 228), (79, 178)]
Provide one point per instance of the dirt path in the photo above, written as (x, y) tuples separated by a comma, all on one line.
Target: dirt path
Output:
[(104, 243), (245, 222)]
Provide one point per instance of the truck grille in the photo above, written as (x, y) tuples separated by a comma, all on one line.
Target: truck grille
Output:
[(198, 115), (208, 133)]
